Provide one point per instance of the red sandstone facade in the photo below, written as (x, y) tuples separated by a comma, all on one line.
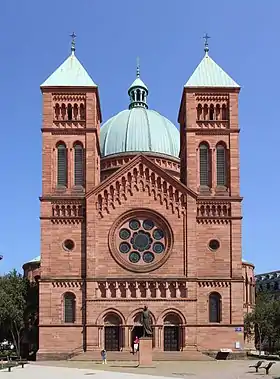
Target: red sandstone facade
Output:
[(91, 295)]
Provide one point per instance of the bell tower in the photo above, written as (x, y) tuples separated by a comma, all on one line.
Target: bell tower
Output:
[(209, 136), (70, 168)]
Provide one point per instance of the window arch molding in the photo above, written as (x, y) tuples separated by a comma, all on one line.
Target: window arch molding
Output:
[(69, 307), (205, 164), (215, 307), (221, 164), (61, 164), (79, 163)]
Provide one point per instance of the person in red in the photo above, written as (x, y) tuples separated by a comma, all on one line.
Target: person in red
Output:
[(135, 345)]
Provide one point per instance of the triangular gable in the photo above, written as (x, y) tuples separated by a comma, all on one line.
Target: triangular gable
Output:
[(140, 158), (141, 175)]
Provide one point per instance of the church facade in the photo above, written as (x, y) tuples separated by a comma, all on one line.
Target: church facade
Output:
[(137, 212)]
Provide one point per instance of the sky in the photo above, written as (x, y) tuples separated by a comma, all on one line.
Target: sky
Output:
[(167, 36)]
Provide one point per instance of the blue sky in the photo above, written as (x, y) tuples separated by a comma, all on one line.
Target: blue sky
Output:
[(167, 35)]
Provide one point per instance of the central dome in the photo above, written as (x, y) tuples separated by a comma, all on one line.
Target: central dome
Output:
[(139, 129)]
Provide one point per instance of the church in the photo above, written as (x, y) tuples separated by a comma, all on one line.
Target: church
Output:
[(140, 212)]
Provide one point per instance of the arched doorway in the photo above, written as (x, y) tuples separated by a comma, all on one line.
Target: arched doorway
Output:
[(172, 332), (137, 329), (112, 337)]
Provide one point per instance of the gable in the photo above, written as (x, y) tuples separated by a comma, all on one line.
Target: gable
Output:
[(141, 174)]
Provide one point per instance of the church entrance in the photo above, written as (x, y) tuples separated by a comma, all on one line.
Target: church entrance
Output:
[(171, 338), (112, 332), (172, 332)]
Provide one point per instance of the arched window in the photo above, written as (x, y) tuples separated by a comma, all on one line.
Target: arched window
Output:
[(75, 111), (211, 112), (63, 111), (57, 111), (199, 111), (61, 165), (215, 307), (78, 164), (69, 307), (69, 112), (218, 111), (224, 112), (204, 164), (138, 95), (221, 165), (205, 112), (82, 112)]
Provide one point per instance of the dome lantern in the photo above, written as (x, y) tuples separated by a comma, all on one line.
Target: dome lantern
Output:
[(138, 91)]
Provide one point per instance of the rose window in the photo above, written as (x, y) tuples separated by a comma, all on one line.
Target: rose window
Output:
[(141, 243)]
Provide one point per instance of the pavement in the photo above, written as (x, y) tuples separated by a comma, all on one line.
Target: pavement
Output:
[(128, 370)]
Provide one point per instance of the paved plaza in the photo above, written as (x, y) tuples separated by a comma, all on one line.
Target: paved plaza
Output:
[(126, 370)]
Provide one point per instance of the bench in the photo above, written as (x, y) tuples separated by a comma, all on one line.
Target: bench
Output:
[(257, 365), (268, 367), (8, 365), (22, 362)]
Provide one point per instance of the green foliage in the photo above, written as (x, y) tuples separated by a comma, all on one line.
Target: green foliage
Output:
[(264, 321), (13, 295)]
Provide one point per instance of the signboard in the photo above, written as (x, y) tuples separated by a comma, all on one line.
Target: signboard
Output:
[(238, 329)]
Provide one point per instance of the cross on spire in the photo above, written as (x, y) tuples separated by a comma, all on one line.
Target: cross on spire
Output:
[(73, 42), (206, 38)]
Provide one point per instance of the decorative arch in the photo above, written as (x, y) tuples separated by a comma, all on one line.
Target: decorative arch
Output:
[(178, 313), (172, 319), (199, 112), (135, 313), (101, 317)]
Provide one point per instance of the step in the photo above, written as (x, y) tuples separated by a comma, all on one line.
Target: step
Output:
[(157, 356)]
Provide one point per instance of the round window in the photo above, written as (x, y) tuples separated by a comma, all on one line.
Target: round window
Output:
[(68, 245), (214, 245), (141, 241)]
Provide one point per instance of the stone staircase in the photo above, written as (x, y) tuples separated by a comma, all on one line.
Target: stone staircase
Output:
[(117, 356)]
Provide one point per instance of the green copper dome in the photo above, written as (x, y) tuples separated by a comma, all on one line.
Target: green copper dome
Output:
[(139, 129)]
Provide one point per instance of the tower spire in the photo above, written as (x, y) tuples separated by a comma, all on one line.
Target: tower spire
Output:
[(138, 67), (73, 43), (206, 46), (138, 91)]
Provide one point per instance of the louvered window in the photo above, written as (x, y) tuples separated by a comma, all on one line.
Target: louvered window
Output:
[(215, 307), (61, 165), (221, 166), (69, 308), (204, 164), (79, 165)]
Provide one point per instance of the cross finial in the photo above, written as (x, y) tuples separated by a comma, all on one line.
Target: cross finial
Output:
[(137, 67), (73, 42), (206, 47)]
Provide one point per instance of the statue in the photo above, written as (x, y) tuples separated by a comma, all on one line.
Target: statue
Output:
[(145, 321)]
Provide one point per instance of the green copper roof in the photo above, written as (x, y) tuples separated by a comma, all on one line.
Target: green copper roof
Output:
[(209, 74), (138, 83), (70, 73), (139, 130), (35, 260)]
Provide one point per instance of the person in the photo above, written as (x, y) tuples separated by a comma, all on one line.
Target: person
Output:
[(104, 356), (135, 345)]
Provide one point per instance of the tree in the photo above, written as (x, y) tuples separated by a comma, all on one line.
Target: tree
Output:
[(264, 321), (13, 295)]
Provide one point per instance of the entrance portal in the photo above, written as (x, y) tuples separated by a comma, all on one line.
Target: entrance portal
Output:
[(171, 338), (172, 332), (112, 332), (112, 338)]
